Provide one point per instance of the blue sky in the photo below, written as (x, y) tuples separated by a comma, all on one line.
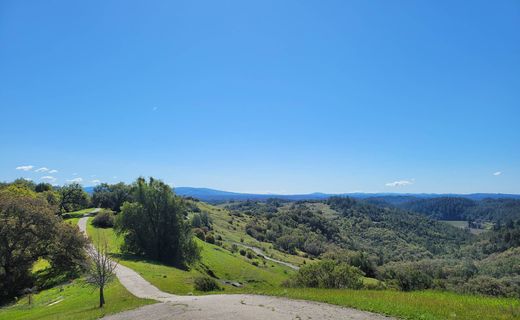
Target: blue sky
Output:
[(263, 96)]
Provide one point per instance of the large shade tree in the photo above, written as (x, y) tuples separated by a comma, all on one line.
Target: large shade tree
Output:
[(30, 230), (73, 197), (155, 224)]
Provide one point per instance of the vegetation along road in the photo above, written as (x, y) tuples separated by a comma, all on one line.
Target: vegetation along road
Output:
[(221, 306)]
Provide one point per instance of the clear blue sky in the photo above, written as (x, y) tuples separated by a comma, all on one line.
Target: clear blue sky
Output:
[(264, 96)]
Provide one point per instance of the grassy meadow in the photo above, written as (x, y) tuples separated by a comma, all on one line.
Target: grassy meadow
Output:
[(75, 300), (424, 305)]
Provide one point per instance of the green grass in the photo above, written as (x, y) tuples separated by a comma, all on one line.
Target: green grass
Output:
[(235, 232), (464, 224), (224, 264), (76, 215), (40, 265), (426, 305), (457, 223), (76, 301)]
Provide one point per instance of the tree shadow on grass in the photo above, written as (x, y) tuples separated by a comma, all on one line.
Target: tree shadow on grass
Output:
[(136, 258)]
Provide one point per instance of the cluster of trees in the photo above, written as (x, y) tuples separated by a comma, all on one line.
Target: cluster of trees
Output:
[(456, 208), (70, 197), (152, 220), (496, 275), (444, 208), (154, 224), (384, 234), (31, 230), (111, 196)]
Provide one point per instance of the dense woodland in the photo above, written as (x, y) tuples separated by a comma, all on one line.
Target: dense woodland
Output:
[(455, 208), (406, 250)]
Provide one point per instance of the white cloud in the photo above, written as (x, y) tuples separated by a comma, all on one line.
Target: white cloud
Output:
[(400, 183), (96, 181), (42, 169), (497, 173), (53, 171), (48, 178), (27, 179), (25, 168), (75, 180)]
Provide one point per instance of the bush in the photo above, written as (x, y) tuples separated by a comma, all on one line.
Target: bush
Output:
[(413, 279), (205, 283), (200, 220), (104, 219), (242, 252), (408, 276), (210, 238), (485, 285), (199, 233), (327, 274)]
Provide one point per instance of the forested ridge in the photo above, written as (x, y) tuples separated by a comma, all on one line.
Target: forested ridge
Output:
[(456, 208), (403, 248)]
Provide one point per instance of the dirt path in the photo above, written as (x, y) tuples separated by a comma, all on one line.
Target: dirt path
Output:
[(261, 253), (222, 306)]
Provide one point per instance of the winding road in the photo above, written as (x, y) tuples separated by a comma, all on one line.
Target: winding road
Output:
[(261, 253), (222, 306)]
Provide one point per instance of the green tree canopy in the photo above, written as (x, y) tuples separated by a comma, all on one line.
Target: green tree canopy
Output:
[(72, 198), (111, 196), (29, 230), (155, 224)]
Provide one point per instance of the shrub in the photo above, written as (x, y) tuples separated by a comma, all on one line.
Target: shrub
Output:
[(201, 219), (485, 285), (327, 274), (242, 252), (104, 219), (408, 276), (210, 238), (199, 233), (413, 279), (205, 283)]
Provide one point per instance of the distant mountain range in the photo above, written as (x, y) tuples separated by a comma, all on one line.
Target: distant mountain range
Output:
[(212, 195)]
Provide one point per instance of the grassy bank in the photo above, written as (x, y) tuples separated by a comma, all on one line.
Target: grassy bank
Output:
[(426, 305), (226, 266), (76, 301)]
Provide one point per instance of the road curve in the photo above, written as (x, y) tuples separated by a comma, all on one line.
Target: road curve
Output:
[(222, 306)]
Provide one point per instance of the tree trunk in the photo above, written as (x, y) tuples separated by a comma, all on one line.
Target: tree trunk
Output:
[(101, 297)]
